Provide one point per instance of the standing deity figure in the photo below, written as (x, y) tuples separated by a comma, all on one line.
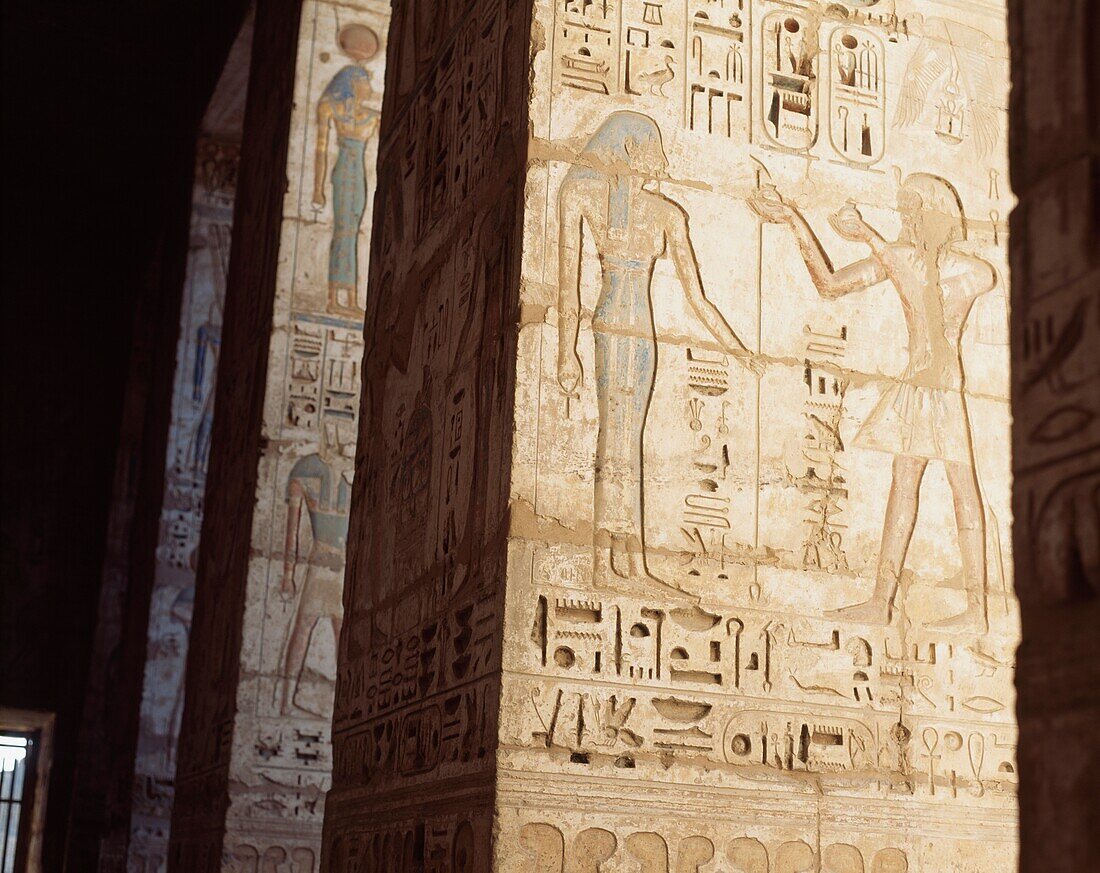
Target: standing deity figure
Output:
[(632, 226), (322, 482), (923, 415), (208, 341), (346, 105)]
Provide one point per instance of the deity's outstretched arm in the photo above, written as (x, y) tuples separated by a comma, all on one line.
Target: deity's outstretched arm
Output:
[(320, 155), (687, 268), (295, 497), (570, 236)]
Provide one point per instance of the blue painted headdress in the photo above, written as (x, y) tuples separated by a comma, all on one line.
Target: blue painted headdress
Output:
[(342, 86), (607, 150)]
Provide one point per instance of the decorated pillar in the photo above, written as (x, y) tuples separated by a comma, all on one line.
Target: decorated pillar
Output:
[(681, 531), (255, 749)]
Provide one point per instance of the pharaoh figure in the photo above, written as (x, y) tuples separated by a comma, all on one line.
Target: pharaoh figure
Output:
[(345, 105), (923, 415), (631, 226), (322, 483)]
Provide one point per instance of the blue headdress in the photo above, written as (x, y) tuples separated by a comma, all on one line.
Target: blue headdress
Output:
[(607, 149)]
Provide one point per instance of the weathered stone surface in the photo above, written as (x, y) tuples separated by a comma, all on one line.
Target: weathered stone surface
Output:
[(681, 531)]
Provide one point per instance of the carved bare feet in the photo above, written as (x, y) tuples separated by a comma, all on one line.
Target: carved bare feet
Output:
[(622, 566), (338, 306), (970, 620), (877, 610)]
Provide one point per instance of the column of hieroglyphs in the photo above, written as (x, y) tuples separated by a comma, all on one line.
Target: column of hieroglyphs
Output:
[(418, 689), (181, 517), (276, 745), (759, 607), (1055, 160)]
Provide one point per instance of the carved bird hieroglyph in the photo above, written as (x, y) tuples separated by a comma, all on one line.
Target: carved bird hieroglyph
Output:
[(951, 74), (657, 79)]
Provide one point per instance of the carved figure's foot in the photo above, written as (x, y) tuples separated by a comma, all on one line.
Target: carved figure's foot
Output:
[(337, 306), (622, 567), (874, 611), (970, 620)]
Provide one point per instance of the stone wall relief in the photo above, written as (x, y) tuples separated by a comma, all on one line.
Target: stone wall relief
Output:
[(790, 79), (949, 87), (776, 698), (632, 227), (549, 850), (761, 659), (437, 843), (773, 71), (347, 106), (182, 511), (924, 416), (857, 87)]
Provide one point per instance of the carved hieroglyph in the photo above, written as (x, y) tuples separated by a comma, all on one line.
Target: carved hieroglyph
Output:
[(758, 606), (745, 575)]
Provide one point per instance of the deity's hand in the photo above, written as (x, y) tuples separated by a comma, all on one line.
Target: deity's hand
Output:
[(569, 372), (766, 202), (753, 364), (318, 200), (848, 222)]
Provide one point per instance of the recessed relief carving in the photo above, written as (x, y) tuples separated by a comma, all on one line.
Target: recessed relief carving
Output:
[(670, 479), (348, 106), (321, 483), (924, 415), (609, 193), (789, 98), (949, 83)]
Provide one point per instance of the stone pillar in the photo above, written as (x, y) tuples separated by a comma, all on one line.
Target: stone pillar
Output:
[(172, 601), (680, 534), (254, 755), (1055, 152)]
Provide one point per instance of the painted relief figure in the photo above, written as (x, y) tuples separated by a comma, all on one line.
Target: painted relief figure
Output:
[(632, 226), (208, 341), (345, 105), (922, 416), (322, 482)]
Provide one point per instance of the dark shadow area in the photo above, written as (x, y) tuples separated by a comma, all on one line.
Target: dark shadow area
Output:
[(101, 105)]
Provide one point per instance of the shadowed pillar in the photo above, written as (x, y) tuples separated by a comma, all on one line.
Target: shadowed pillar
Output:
[(1055, 151)]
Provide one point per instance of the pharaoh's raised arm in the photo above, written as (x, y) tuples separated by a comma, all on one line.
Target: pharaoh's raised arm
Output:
[(831, 282)]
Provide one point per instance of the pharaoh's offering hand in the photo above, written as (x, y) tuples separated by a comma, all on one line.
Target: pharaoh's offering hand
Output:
[(848, 222), (569, 372), (766, 202)]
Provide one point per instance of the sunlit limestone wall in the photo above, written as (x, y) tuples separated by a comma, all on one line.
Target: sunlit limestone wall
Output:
[(255, 753), (759, 605)]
